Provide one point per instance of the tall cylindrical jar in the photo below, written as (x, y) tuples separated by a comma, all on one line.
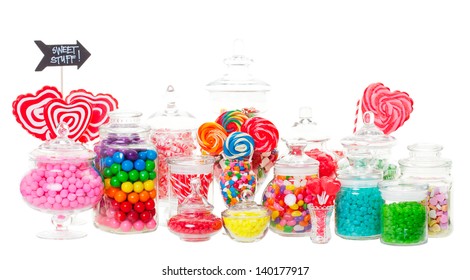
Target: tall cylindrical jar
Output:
[(286, 195), (127, 161), (358, 204), (426, 165), (404, 213)]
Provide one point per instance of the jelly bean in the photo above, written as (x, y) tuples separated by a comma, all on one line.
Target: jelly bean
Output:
[(404, 223), (246, 226)]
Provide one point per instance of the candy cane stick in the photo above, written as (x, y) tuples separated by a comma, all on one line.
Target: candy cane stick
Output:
[(358, 104)]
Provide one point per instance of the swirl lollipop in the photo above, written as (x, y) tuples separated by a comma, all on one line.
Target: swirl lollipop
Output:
[(232, 120), (264, 133), (210, 137), (238, 145)]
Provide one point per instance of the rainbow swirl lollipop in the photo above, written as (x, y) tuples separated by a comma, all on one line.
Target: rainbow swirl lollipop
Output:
[(210, 137), (264, 133), (232, 120), (238, 145)]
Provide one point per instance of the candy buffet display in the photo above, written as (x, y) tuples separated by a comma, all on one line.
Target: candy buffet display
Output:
[(426, 165), (246, 221), (194, 220), (127, 161)]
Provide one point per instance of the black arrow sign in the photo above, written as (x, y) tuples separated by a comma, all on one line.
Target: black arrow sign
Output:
[(62, 55)]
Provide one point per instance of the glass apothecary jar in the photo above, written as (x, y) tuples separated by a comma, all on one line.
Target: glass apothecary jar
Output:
[(286, 195), (172, 132), (374, 145), (246, 221), (63, 182), (426, 165), (404, 213), (358, 203), (238, 88), (194, 220), (127, 161)]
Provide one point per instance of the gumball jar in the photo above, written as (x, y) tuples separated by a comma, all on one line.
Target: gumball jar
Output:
[(236, 177), (374, 146), (194, 221), (286, 195), (246, 221), (404, 213), (238, 88), (358, 204), (426, 165), (63, 182), (126, 160), (173, 134), (308, 130)]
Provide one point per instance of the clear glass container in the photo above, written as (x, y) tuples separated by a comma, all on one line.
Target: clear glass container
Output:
[(404, 213), (237, 176), (286, 195), (246, 221), (127, 161), (237, 88), (182, 169), (305, 129), (194, 221), (63, 182), (173, 134), (358, 203), (373, 146), (426, 165), (320, 219)]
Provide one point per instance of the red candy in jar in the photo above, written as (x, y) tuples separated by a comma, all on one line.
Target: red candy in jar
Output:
[(62, 182), (195, 221)]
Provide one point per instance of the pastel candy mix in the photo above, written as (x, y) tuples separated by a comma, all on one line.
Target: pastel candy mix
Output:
[(404, 223), (235, 178), (438, 205), (170, 144), (357, 213), (62, 185), (286, 197)]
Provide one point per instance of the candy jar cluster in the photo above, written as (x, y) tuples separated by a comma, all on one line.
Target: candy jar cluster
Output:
[(127, 161), (62, 182), (194, 220)]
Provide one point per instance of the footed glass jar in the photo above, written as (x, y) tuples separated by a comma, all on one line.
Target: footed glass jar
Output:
[(173, 135), (127, 161), (404, 213), (63, 182), (358, 204), (286, 195), (194, 220), (246, 221), (236, 176), (425, 165)]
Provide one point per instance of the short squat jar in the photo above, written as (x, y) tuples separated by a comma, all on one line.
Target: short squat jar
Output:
[(404, 213), (358, 204), (426, 165), (126, 160)]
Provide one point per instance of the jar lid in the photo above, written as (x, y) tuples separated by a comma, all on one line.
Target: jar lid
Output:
[(296, 163), (368, 137), (62, 148), (172, 118), (359, 177), (305, 129), (195, 202), (123, 123), (425, 155), (401, 190), (196, 164), (246, 208), (237, 87)]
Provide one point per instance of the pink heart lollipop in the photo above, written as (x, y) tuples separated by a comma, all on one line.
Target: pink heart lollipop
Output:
[(391, 109)]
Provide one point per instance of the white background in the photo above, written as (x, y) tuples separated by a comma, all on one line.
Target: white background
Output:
[(318, 54)]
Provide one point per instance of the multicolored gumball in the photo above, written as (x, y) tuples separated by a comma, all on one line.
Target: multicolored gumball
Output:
[(238, 145)]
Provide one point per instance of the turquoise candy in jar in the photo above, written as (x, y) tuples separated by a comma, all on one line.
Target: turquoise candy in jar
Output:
[(286, 195)]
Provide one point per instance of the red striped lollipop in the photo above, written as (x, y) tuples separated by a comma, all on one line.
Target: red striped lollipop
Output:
[(264, 133), (391, 109)]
